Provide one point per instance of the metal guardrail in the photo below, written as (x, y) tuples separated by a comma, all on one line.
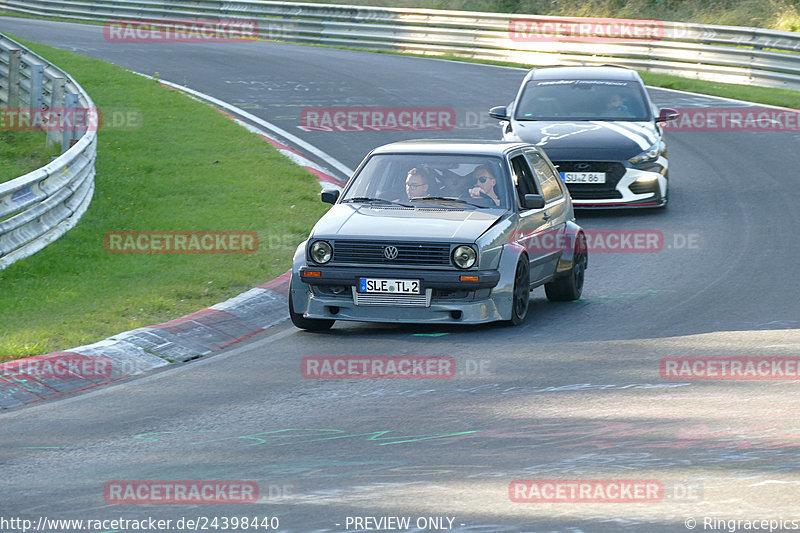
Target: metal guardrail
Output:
[(718, 53), (39, 207)]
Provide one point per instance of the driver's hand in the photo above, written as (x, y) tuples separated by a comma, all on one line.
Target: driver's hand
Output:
[(475, 192)]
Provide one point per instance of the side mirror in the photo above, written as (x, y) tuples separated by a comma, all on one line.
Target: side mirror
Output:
[(667, 114), (533, 201), (329, 196), (499, 112)]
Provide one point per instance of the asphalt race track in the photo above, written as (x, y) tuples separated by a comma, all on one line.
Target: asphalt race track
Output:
[(575, 393)]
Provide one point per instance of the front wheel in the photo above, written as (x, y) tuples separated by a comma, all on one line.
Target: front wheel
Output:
[(521, 293), (310, 324), (569, 287)]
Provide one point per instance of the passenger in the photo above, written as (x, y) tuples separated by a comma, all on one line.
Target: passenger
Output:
[(418, 183)]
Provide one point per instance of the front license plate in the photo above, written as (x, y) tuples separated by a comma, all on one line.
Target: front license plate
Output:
[(583, 177), (389, 286)]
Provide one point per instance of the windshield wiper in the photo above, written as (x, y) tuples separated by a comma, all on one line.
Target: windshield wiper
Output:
[(556, 119), (444, 198), (438, 198), (367, 200)]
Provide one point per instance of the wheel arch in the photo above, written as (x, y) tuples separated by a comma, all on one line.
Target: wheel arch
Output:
[(573, 234), (503, 293)]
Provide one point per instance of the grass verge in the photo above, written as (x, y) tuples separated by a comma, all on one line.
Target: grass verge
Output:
[(22, 152), (749, 93), (174, 164), (761, 95)]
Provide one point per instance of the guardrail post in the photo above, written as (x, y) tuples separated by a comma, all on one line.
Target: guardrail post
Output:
[(68, 135), (56, 101), (37, 81), (13, 77)]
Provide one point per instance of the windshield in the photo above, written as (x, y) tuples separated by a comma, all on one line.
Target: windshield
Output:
[(582, 100), (420, 180)]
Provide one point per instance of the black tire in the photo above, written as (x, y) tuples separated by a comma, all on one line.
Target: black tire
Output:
[(522, 292), (310, 324), (570, 286)]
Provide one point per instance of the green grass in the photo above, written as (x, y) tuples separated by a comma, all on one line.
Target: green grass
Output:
[(762, 95), (22, 152), (184, 166)]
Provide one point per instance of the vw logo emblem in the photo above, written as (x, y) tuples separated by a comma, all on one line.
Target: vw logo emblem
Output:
[(582, 167), (390, 252)]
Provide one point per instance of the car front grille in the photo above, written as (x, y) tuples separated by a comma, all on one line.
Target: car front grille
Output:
[(408, 253), (393, 300), (613, 170), (577, 192)]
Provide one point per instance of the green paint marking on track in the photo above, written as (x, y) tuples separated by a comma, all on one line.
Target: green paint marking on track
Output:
[(290, 435)]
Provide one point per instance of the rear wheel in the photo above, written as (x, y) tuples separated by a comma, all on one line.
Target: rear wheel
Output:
[(570, 287), (310, 324), (522, 292)]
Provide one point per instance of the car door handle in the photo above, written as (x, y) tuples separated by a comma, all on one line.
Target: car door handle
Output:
[(546, 217)]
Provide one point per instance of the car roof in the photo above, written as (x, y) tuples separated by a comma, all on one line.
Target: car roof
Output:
[(450, 146), (606, 72)]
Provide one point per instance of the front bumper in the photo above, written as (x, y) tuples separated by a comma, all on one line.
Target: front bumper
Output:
[(654, 192), (475, 312), (635, 187), (431, 279), (332, 295)]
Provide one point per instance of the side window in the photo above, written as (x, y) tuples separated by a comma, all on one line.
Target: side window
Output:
[(523, 177), (548, 181)]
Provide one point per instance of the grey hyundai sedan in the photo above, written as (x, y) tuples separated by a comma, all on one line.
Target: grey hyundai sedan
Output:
[(443, 232)]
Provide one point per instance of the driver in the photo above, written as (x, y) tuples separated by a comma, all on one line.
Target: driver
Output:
[(616, 107), (484, 184)]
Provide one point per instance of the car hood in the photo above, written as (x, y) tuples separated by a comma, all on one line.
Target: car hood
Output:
[(605, 140), (398, 223)]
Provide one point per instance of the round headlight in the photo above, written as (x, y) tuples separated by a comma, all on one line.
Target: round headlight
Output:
[(321, 252), (464, 256)]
